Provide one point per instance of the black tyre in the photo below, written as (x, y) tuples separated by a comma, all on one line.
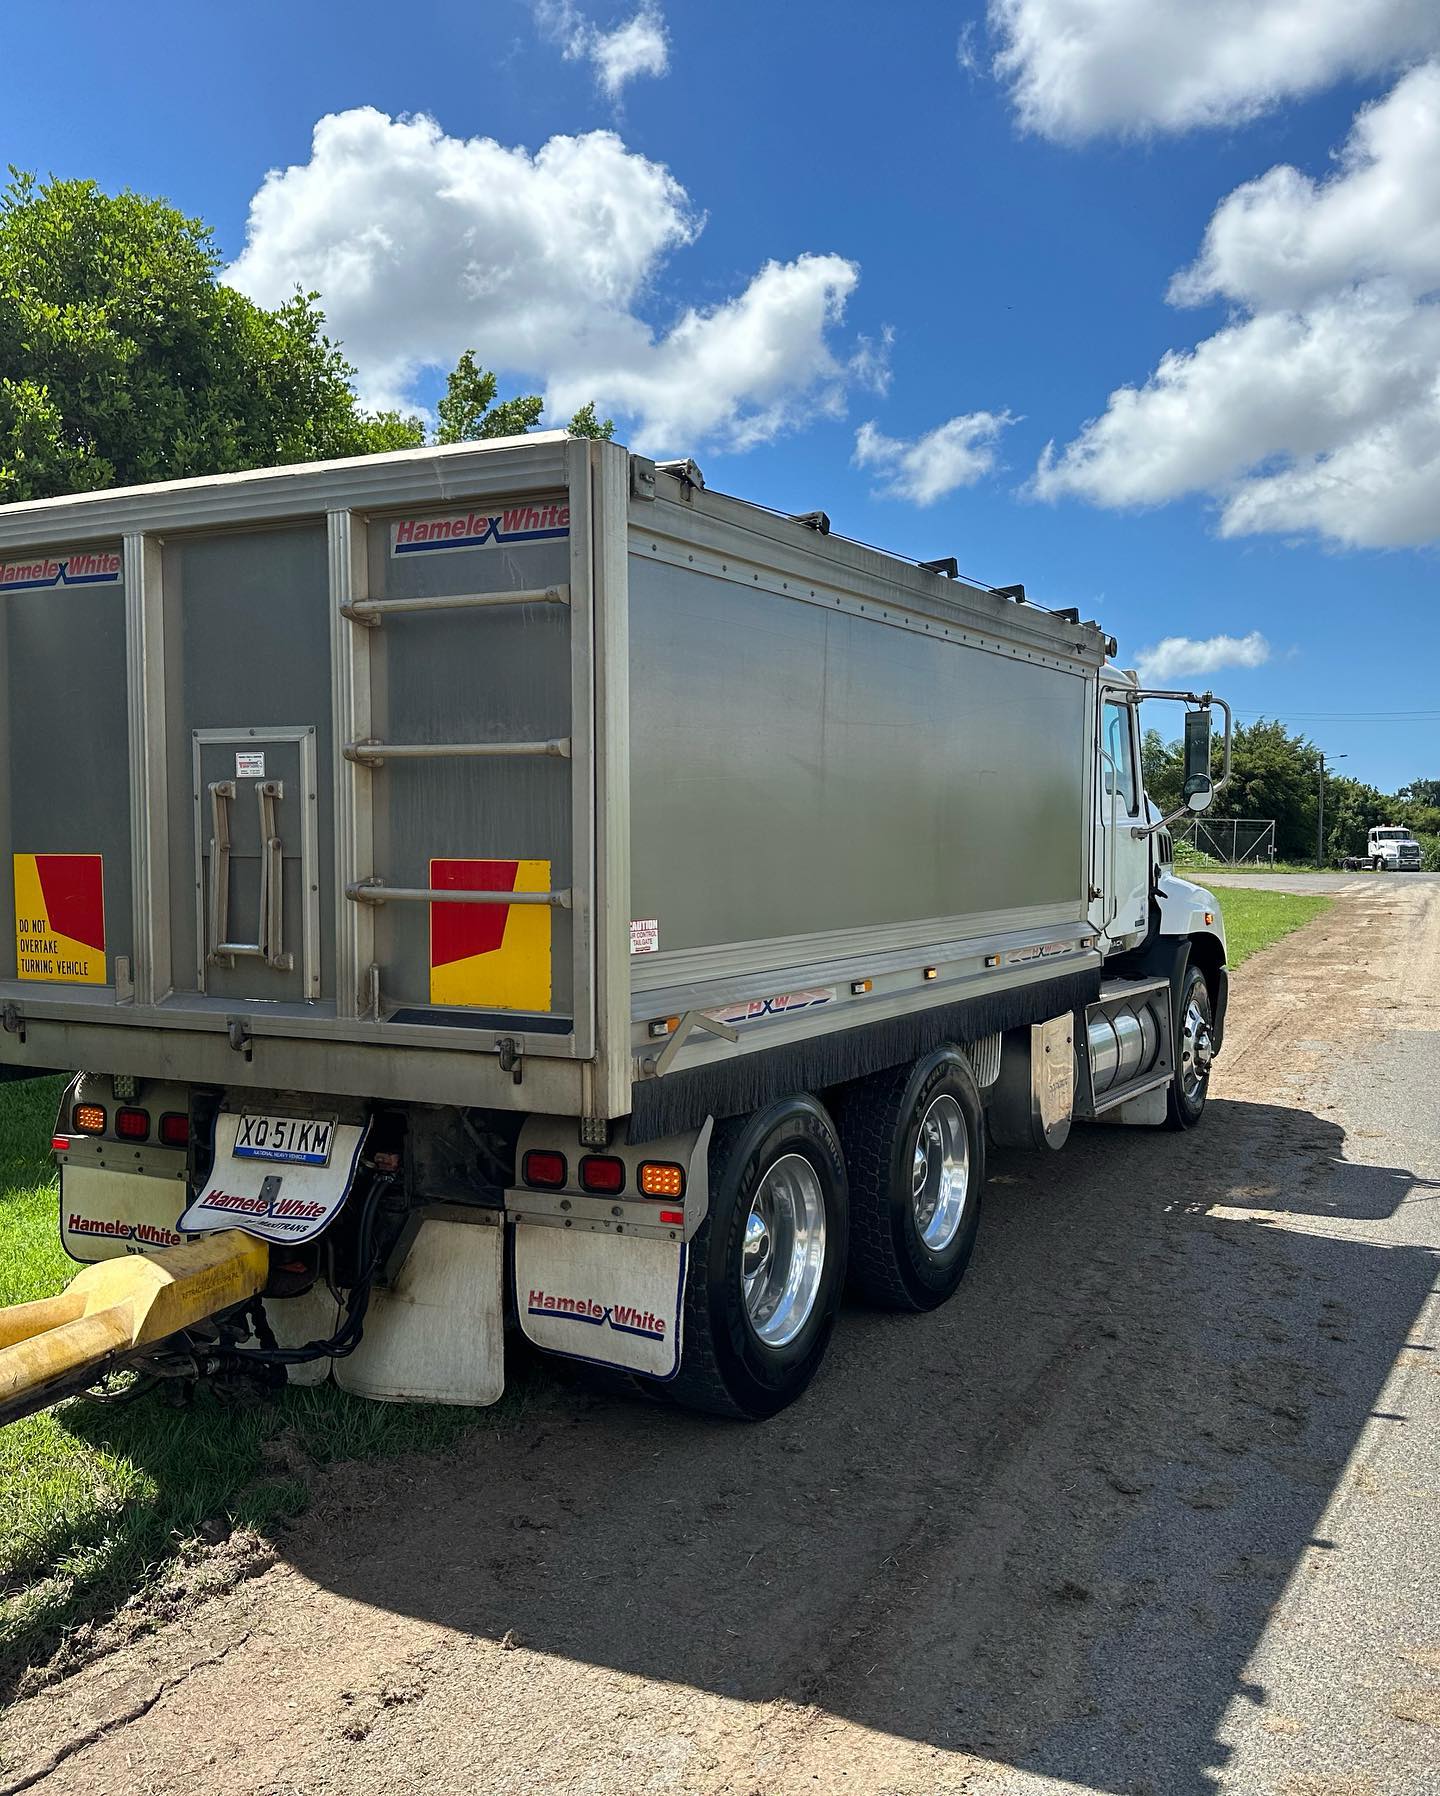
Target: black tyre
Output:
[(767, 1265), (914, 1142), (1194, 1045)]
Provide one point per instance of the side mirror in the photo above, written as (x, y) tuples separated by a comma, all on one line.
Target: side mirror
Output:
[(1199, 789)]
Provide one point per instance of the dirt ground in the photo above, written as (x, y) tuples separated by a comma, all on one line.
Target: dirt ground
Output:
[(1147, 1509)]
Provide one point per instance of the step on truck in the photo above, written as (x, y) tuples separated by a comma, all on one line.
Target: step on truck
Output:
[(509, 887)]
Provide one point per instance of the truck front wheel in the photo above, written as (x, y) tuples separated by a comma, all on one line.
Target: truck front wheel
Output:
[(1194, 1050), (915, 1146), (767, 1265)]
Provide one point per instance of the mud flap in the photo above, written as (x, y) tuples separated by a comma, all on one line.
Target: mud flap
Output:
[(295, 1321), (105, 1213), (436, 1335), (615, 1301), (275, 1199)]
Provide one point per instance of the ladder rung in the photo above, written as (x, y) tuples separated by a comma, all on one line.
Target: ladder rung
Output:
[(372, 611), (373, 753), (373, 892)]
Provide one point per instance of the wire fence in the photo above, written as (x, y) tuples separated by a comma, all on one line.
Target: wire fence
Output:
[(1226, 841)]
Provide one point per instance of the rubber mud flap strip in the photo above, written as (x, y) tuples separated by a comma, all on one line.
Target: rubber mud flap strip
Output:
[(731, 1087)]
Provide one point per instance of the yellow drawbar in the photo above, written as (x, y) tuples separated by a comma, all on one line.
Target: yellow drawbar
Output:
[(57, 1346)]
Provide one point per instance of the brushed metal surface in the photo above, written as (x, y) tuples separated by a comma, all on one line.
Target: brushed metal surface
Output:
[(499, 675), (247, 645), (66, 779), (796, 770)]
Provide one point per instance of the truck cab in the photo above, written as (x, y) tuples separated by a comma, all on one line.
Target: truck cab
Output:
[(1393, 850)]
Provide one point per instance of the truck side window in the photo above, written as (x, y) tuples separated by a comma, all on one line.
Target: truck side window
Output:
[(1119, 763)]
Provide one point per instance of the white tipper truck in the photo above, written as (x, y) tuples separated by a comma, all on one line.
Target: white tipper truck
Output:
[(511, 887)]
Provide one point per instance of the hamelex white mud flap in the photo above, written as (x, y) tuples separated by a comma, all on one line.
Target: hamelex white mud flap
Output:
[(104, 1213), (281, 1198), (437, 1334), (615, 1300)]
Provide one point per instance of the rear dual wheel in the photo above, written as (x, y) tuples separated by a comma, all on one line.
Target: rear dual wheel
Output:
[(767, 1265), (914, 1142)]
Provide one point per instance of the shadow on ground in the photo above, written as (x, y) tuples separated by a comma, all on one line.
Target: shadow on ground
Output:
[(1045, 1525)]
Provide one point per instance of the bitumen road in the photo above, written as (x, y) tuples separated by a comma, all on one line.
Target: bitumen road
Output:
[(1148, 1508), (1330, 884)]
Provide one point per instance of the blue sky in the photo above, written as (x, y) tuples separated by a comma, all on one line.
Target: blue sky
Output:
[(1012, 234)]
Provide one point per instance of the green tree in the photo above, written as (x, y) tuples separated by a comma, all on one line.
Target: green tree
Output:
[(124, 360), (1352, 809), (1162, 765), (586, 424), (1272, 774), (470, 410)]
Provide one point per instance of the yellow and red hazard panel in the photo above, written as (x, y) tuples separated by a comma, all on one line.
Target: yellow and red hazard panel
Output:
[(60, 918), (495, 955)]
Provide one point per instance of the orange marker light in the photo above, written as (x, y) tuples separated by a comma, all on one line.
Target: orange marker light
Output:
[(660, 1179), (88, 1119)]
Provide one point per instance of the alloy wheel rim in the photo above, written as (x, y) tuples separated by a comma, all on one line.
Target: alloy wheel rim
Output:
[(783, 1254), (1197, 1044), (940, 1173)]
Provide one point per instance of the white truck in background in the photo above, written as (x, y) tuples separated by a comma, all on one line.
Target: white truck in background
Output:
[(1390, 849), (511, 887)]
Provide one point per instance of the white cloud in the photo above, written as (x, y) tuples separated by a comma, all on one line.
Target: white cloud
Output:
[(1316, 407), (1080, 68), (423, 245), (742, 372), (1178, 657), (639, 46), (1285, 239), (869, 364), (952, 455)]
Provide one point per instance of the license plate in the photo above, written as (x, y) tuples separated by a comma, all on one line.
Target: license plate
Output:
[(291, 1139)]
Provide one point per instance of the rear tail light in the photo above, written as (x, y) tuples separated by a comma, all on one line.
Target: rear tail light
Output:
[(544, 1170), (132, 1125), (175, 1129), (88, 1119), (602, 1172), (659, 1178), (59, 1144)]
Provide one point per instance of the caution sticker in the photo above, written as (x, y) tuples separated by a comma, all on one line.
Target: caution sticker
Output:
[(60, 918), (496, 955)]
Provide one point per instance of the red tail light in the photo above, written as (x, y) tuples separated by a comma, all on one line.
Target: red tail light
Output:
[(132, 1125), (544, 1170), (603, 1173), (175, 1129)]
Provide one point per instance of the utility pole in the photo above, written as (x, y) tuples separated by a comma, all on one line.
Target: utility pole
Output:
[(1320, 816)]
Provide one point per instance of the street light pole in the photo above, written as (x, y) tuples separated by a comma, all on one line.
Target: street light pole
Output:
[(1320, 816)]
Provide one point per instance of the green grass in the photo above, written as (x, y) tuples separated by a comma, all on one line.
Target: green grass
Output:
[(1254, 919), (99, 1500)]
